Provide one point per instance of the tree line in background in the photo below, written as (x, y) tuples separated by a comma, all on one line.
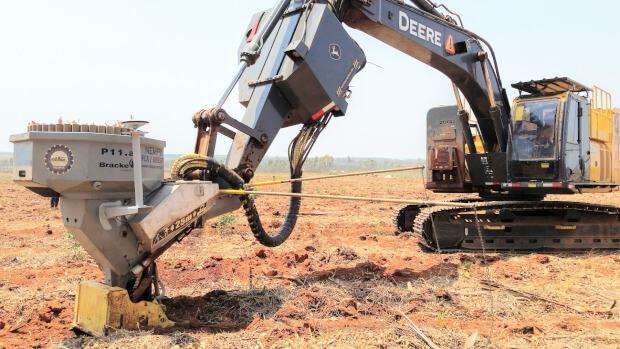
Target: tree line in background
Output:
[(330, 164), (324, 164), (319, 164), (6, 163)]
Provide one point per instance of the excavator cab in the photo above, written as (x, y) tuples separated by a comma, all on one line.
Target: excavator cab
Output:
[(536, 130), (555, 145)]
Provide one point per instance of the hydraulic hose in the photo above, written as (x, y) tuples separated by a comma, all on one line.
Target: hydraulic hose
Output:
[(251, 213), (287, 227), (298, 152), (191, 163)]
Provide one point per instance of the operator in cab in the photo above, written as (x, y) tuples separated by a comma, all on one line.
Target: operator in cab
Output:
[(544, 143), (535, 130)]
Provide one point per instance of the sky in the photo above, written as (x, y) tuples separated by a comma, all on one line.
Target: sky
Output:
[(103, 61)]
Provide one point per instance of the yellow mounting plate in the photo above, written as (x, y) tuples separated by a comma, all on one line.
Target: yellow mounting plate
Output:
[(100, 309)]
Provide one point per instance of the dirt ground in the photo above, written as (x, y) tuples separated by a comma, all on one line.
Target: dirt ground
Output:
[(344, 279)]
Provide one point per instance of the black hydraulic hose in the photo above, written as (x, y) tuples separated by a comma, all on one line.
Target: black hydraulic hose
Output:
[(298, 152), (299, 149), (428, 7), (251, 213), (287, 227)]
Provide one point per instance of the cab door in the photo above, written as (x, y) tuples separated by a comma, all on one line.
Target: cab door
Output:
[(573, 135)]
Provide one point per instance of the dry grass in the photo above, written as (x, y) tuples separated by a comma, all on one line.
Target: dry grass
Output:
[(343, 280), (363, 308)]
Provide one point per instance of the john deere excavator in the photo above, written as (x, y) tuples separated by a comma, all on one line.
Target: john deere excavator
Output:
[(296, 64), (561, 138)]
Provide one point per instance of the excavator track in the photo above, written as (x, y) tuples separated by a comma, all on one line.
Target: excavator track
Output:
[(527, 225), (404, 218)]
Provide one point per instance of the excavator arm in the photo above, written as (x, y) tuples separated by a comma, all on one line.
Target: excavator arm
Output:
[(454, 51), (294, 78), (296, 64)]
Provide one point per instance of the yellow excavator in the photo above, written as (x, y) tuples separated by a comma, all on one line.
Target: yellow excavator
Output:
[(563, 138)]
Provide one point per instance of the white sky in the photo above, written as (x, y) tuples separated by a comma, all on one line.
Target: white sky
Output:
[(101, 61)]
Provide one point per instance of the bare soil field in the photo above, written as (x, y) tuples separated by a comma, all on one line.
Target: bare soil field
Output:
[(344, 279)]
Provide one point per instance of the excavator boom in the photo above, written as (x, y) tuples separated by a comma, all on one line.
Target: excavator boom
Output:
[(444, 46)]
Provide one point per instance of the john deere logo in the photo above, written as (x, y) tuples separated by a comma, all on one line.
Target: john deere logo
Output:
[(59, 159), (334, 52)]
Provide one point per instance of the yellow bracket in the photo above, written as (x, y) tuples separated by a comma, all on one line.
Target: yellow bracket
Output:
[(100, 309)]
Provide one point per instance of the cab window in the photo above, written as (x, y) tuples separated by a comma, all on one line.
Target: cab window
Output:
[(534, 130)]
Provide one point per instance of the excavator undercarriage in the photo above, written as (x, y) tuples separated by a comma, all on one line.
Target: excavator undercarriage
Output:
[(521, 225)]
